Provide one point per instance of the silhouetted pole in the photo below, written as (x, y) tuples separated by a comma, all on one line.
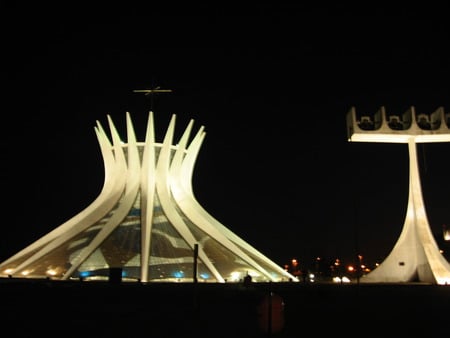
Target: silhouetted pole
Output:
[(356, 233), (194, 273), (269, 314), (195, 262)]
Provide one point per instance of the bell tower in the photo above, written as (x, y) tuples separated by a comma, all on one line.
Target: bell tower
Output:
[(415, 256)]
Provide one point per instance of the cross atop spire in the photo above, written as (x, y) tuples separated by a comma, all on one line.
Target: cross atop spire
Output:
[(152, 93)]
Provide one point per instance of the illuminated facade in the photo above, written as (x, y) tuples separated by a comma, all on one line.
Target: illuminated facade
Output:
[(145, 223), (415, 256)]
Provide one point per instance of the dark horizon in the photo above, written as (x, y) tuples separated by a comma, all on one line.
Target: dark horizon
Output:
[(128, 309)]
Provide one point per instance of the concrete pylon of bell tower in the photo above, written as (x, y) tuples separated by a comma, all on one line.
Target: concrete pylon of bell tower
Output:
[(415, 256)]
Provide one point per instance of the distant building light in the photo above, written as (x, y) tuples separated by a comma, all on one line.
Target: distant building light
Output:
[(446, 232), (51, 272), (343, 279)]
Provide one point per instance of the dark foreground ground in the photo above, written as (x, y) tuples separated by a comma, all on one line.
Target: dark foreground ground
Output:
[(102, 309)]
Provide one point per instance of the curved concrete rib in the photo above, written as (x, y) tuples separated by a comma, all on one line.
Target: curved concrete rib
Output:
[(163, 189), (190, 206), (131, 188), (107, 198), (148, 183)]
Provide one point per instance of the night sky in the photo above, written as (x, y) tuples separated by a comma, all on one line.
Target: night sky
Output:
[(272, 85)]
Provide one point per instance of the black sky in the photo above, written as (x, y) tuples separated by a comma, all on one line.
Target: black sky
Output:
[(272, 85)]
